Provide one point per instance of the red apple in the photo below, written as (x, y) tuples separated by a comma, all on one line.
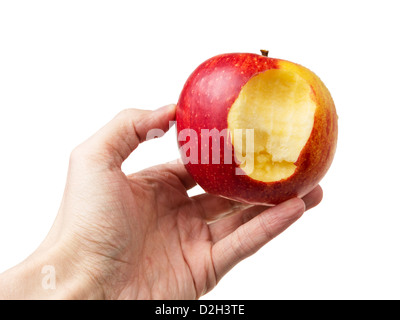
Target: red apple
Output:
[(256, 129)]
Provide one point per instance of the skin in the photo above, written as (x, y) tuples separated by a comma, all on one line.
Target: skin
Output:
[(140, 236)]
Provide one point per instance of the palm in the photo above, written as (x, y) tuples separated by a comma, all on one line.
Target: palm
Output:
[(175, 256)]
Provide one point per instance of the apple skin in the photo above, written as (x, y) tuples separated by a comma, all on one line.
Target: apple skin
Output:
[(204, 103)]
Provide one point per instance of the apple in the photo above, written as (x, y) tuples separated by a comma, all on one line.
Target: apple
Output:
[(256, 129)]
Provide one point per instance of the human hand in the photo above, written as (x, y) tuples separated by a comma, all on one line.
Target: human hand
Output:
[(141, 236)]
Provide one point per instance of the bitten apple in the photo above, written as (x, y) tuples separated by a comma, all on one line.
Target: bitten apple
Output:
[(277, 126)]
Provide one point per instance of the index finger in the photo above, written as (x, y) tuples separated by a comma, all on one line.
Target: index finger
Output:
[(117, 139)]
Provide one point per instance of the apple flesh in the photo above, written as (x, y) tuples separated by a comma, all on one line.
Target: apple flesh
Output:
[(281, 123)]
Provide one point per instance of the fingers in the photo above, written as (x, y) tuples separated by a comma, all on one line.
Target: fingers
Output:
[(251, 236), (313, 198), (224, 227), (176, 168), (117, 139), (214, 207)]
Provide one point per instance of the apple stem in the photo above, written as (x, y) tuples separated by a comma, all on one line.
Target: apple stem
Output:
[(264, 52)]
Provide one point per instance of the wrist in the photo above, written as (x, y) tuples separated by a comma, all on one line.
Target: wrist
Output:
[(53, 273)]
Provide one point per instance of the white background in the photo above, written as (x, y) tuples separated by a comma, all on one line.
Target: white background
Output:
[(67, 67)]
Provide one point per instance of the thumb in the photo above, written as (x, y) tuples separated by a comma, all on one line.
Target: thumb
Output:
[(116, 140)]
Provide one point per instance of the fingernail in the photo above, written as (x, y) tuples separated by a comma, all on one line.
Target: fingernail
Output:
[(313, 198)]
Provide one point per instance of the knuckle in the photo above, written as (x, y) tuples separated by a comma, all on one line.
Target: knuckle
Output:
[(265, 227), (244, 246), (128, 113), (80, 154), (237, 246), (76, 153), (125, 113)]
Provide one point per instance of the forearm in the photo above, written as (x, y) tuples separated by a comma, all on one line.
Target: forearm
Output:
[(50, 274)]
